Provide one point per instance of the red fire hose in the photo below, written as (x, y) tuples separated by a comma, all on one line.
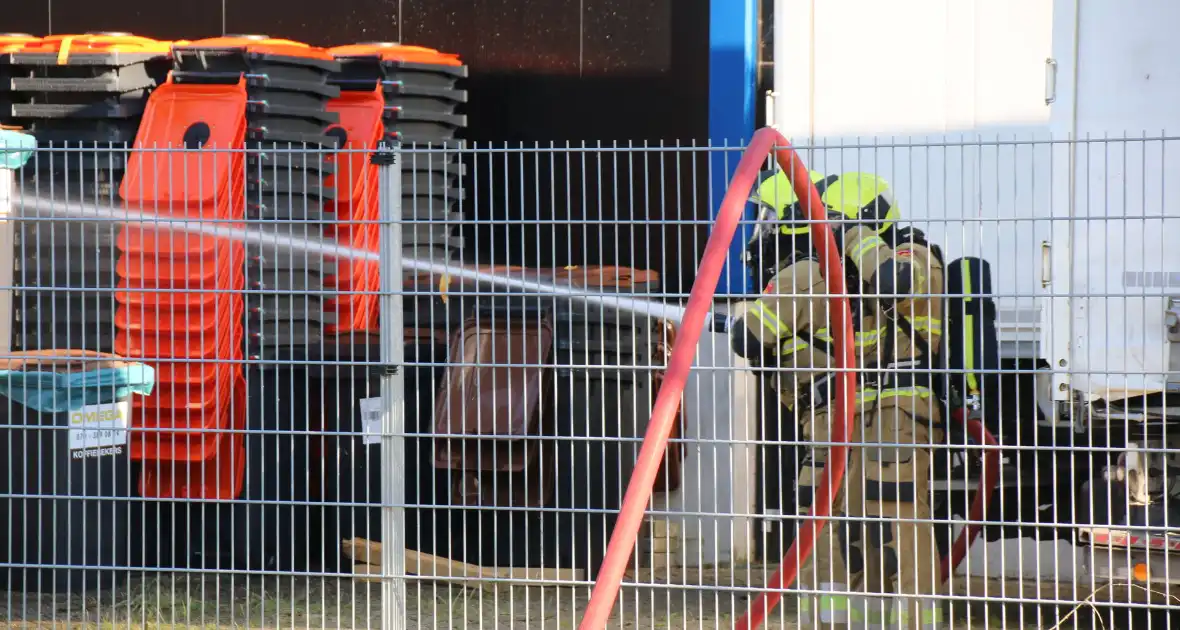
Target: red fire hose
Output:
[(697, 312), (991, 474)]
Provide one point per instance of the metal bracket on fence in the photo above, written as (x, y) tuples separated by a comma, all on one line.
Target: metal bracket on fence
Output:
[(7, 261), (385, 155), (1172, 319)]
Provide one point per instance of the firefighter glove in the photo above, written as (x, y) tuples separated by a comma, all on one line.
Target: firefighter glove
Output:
[(746, 345), (893, 281)]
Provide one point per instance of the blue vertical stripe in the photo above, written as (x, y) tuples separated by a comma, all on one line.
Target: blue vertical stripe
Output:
[(733, 58)]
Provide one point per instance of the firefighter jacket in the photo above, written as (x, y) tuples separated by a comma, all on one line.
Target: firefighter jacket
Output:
[(895, 295)]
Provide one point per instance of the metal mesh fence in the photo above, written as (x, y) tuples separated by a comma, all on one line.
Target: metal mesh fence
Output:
[(280, 387)]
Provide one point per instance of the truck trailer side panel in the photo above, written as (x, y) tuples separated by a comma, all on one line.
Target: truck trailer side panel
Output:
[(967, 108)]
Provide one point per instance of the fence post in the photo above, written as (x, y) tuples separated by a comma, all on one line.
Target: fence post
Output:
[(15, 150), (393, 461), (7, 244)]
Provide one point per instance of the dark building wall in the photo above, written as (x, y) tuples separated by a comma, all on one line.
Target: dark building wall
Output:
[(593, 72)]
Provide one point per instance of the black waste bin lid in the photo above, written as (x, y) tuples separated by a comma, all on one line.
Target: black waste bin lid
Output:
[(253, 52), (79, 133), (369, 62)]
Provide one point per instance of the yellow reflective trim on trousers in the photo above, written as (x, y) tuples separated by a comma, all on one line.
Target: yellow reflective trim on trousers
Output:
[(864, 247), (870, 395), (826, 602), (769, 319), (867, 338), (870, 337), (932, 614), (924, 323), (890, 618), (846, 603), (791, 346), (833, 602)]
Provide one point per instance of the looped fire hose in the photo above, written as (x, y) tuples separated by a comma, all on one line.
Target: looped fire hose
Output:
[(697, 314)]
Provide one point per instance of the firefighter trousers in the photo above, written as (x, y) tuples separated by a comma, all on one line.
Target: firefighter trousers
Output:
[(876, 568)]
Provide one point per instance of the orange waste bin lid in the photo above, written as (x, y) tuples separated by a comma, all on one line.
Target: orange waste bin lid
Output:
[(605, 277), (194, 373), (218, 344), (388, 51), (361, 130), (260, 44), (178, 406), (153, 321), (206, 270), (16, 42), (215, 453), (98, 43), (132, 293), (166, 243), (187, 116)]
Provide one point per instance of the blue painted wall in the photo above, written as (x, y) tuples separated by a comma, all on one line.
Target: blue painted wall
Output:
[(733, 58)]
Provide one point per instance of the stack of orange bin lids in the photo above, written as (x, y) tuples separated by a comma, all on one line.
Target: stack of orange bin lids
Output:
[(420, 89), (180, 302), (356, 184)]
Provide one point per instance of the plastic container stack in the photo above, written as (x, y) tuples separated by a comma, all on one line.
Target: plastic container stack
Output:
[(85, 96), (421, 95), (288, 163), (356, 187), (82, 97), (180, 303), (10, 43)]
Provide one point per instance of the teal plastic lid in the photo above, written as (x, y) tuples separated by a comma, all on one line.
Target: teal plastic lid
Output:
[(15, 148)]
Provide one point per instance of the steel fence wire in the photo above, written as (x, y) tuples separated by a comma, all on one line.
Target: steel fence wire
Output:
[(405, 387)]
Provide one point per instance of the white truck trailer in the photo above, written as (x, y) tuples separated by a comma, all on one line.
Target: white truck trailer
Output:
[(1043, 136)]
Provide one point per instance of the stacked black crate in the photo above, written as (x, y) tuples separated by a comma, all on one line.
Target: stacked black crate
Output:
[(10, 43), (420, 101), (82, 97), (287, 145), (422, 96)]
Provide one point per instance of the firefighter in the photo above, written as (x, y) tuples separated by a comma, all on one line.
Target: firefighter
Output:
[(774, 195), (782, 238), (881, 571)]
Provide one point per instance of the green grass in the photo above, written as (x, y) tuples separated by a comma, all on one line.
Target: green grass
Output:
[(210, 601), (206, 601)]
